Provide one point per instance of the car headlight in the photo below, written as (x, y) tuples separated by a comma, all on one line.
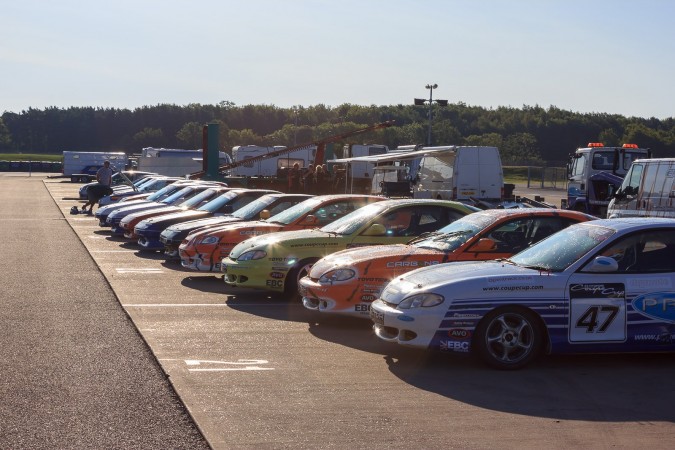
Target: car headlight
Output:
[(337, 275), (252, 255), (210, 240), (424, 300)]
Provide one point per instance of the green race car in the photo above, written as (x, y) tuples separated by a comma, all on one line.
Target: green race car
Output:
[(276, 261)]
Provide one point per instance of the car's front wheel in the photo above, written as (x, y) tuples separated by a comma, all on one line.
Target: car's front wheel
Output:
[(294, 276), (509, 338)]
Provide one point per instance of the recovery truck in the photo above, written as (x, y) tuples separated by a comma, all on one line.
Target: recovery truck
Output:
[(595, 172)]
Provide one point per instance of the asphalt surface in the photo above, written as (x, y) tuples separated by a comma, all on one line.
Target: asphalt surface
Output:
[(75, 372), (258, 372)]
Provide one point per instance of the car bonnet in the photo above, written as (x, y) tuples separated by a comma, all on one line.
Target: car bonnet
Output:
[(365, 255), (444, 277), (285, 238)]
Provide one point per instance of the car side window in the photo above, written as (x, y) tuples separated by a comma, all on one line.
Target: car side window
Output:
[(644, 252), (283, 206), (330, 213)]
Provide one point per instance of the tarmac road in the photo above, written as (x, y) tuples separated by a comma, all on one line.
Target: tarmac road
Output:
[(258, 372), (75, 372)]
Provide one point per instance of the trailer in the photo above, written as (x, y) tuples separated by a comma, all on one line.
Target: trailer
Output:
[(82, 166)]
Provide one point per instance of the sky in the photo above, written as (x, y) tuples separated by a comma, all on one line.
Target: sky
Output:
[(588, 56)]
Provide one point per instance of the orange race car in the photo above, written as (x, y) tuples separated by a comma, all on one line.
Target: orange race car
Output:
[(347, 282), (204, 249)]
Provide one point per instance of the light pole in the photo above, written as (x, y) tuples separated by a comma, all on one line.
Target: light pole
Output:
[(421, 101)]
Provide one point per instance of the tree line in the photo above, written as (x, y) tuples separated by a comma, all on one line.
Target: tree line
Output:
[(527, 135)]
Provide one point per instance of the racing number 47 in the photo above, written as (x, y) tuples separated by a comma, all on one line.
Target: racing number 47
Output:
[(589, 319)]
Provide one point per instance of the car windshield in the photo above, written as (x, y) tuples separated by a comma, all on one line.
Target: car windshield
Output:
[(200, 198), (166, 190), (354, 220), (454, 235), (562, 249), (294, 213), (177, 195), (251, 210), (219, 202)]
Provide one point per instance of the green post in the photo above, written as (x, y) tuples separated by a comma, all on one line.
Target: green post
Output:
[(213, 153)]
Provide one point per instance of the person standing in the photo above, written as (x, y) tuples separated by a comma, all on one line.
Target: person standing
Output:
[(294, 179), (310, 180), (104, 174)]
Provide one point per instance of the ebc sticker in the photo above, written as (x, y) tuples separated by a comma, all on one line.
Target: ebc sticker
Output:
[(657, 305)]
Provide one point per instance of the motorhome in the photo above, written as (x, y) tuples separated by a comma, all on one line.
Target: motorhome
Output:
[(648, 190), (174, 162)]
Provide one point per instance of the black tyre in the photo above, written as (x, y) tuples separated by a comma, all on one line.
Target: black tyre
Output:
[(294, 276), (509, 338)]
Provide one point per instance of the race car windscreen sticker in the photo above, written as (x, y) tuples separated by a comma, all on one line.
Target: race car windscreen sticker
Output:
[(597, 312)]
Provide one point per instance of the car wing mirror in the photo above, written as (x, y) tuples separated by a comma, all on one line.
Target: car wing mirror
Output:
[(376, 229), (484, 245), (602, 264), (310, 220)]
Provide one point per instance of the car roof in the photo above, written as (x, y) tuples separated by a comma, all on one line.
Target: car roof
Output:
[(634, 223), (524, 212)]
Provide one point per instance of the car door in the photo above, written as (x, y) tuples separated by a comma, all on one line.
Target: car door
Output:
[(633, 307)]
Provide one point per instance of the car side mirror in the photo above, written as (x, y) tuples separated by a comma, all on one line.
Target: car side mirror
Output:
[(484, 245), (376, 229), (264, 214), (309, 221), (602, 264)]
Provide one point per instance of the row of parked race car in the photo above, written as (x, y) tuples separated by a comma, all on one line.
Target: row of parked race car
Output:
[(504, 284)]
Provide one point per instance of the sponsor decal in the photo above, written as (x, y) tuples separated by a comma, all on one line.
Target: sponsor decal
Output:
[(368, 298), (395, 264), (468, 316), (315, 244), (280, 268), (250, 233), (513, 288), (511, 279), (455, 346), (461, 323), (657, 305), (274, 283), (362, 308), (663, 338), (459, 334), (648, 283), (404, 318), (381, 280), (277, 275), (277, 259), (597, 290)]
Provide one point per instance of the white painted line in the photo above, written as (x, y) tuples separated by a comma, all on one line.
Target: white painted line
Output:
[(241, 364), (170, 305), (139, 270)]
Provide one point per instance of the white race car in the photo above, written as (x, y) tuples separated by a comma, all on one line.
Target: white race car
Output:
[(599, 286)]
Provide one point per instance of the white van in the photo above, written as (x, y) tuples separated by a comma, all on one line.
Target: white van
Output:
[(648, 190), (451, 173), (461, 173), (88, 163)]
